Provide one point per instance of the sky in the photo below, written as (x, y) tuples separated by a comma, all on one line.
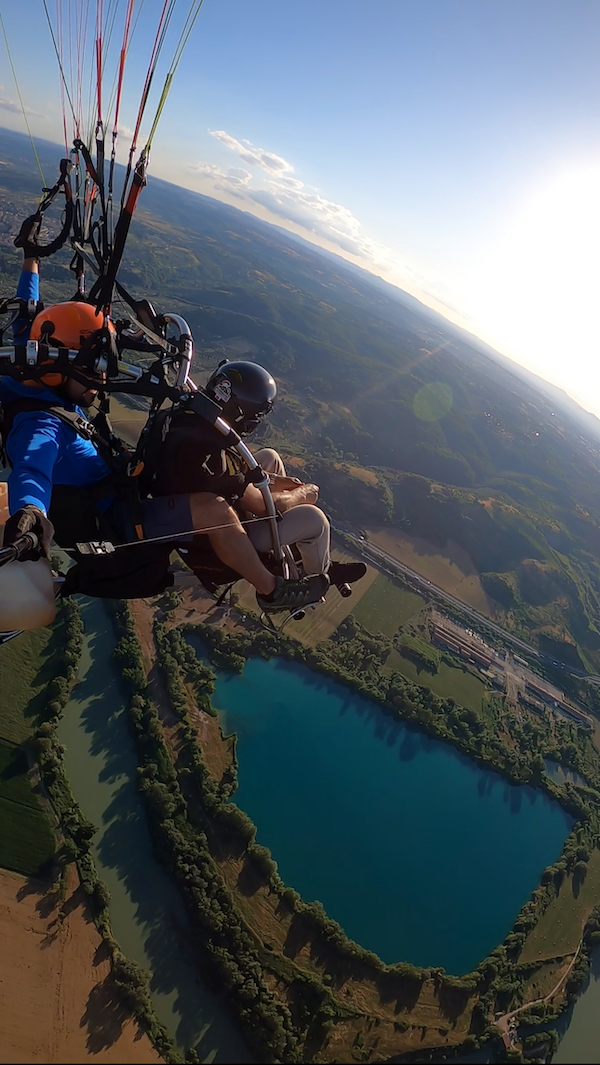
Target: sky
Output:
[(451, 147)]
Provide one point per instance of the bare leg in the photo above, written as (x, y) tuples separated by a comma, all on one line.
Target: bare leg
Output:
[(230, 543), (270, 460)]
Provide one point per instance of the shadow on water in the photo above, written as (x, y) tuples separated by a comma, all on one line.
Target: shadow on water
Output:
[(147, 912)]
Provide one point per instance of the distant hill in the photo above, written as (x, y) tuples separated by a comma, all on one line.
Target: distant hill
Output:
[(459, 441)]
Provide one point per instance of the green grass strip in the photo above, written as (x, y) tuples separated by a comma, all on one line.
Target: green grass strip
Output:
[(26, 838), (14, 782)]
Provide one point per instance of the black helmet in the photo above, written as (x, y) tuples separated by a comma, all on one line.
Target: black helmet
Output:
[(244, 391)]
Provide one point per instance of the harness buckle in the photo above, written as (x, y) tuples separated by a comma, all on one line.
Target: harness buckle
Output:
[(31, 353), (84, 428), (96, 547)]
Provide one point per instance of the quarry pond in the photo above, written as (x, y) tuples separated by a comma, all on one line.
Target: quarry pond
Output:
[(419, 853)]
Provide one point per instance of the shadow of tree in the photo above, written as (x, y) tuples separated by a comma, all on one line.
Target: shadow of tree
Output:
[(298, 936), (33, 712), (249, 881), (104, 1017), (147, 906), (404, 989), (452, 1001), (579, 874)]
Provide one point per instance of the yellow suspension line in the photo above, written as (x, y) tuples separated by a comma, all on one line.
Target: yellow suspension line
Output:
[(14, 73), (185, 33)]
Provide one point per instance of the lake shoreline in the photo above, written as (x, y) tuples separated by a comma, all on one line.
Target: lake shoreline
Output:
[(262, 897)]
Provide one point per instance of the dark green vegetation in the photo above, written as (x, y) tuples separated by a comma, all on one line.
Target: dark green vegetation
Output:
[(42, 669), (502, 981), (386, 606), (26, 837), (456, 444), (182, 845), (27, 667)]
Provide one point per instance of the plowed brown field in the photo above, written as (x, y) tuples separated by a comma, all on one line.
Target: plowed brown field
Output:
[(58, 1003)]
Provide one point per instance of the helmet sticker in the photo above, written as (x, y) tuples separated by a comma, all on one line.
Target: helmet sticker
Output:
[(223, 390)]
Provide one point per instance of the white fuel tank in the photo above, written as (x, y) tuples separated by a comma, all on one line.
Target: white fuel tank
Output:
[(26, 596), (26, 588)]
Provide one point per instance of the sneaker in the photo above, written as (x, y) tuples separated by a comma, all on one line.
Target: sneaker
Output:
[(294, 595), (345, 572)]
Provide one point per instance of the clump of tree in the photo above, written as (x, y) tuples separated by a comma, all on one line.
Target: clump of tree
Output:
[(500, 586), (181, 844), (77, 832), (170, 600), (181, 666), (349, 657), (419, 651)]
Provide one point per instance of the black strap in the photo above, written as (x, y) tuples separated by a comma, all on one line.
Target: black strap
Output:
[(27, 238), (102, 290), (80, 425)]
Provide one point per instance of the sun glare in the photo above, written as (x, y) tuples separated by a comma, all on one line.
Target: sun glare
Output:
[(536, 291)]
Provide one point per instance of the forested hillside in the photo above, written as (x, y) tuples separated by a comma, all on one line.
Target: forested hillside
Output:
[(398, 415)]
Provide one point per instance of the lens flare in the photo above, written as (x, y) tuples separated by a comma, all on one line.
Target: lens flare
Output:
[(433, 401)]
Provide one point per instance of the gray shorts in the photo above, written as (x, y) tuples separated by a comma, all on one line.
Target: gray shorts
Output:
[(168, 516)]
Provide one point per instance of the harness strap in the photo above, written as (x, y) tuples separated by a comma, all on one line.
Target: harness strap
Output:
[(80, 425), (72, 418)]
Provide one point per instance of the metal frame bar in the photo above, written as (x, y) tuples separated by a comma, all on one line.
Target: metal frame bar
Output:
[(183, 384)]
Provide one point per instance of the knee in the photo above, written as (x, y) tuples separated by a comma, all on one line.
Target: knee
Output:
[(269, 459), (206, 503), (314, 519)]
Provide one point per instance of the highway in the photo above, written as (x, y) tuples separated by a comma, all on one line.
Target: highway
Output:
[(380, 558)]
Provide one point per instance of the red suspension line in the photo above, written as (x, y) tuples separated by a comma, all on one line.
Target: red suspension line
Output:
[(99, 31), (124, 49), (59, 36)]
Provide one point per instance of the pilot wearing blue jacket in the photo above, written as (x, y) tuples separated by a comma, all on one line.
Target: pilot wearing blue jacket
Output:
[(42, 450), (46, 454)]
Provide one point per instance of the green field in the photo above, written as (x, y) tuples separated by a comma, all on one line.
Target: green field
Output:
[(26, 667), (26, 838), (386, 606), (14, 784), (559, 929), (25, 670), (448, 682)]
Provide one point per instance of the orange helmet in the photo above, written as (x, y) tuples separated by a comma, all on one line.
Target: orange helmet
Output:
[(67, 325)]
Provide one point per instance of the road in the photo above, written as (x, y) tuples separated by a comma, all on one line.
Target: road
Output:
[(503, 1022), (378, 556)]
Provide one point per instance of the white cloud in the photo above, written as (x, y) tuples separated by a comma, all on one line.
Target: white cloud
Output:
[(209, 169), (237, 175), (251, 155), (7, 104), (272, 186)]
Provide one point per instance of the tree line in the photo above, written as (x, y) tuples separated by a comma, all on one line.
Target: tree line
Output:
[(77, 832)]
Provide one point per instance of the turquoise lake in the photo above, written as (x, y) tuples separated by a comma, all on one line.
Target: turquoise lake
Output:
[(420, 854)]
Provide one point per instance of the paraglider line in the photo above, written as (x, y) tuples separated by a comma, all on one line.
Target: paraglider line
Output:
[(21, 101), (174, 536)]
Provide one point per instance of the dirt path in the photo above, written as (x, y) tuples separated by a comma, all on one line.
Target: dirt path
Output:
[(58, 1003), (503, 1023)]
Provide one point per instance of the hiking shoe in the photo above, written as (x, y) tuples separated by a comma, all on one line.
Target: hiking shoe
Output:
[(345, 572), (294, 595)]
